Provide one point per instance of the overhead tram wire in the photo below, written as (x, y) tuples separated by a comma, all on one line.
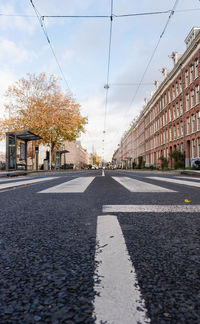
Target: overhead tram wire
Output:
[(103, 16), (42, 24), (152, 56), (108, 74), (154, 51)]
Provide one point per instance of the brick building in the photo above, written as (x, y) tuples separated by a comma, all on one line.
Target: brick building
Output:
[(77, 154), (171, 118)]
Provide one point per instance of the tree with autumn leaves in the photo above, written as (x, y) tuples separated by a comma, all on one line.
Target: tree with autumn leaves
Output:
[(38, 104)]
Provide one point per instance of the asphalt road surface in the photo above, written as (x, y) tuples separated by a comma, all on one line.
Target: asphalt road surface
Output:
[(80, 247)]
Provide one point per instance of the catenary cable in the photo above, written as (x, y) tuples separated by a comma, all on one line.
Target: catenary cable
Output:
[(108, 75), (42, 24), (152, 55)]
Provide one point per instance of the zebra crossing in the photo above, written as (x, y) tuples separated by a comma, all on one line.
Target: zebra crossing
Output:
[(80, 184), (177, 181), (20, 182)]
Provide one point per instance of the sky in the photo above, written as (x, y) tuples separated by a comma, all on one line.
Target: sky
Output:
[(81, 47)]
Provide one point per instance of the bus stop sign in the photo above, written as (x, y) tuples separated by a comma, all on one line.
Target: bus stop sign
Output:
[(36, 148)]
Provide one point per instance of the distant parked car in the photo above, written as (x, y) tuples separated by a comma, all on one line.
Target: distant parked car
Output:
[(94, 167)]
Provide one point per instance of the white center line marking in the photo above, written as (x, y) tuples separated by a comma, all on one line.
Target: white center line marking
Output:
[(120, 299), (134, 185), (176, 181), (151, 208), (77, 185)]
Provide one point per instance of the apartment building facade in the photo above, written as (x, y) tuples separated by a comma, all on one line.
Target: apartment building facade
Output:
[(171, 118), (76, 155)]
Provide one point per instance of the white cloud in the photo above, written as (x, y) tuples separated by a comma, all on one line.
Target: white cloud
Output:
[(12, 54), (9, 21)]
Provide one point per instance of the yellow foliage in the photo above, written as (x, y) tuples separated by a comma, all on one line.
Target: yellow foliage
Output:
[(38, 103)]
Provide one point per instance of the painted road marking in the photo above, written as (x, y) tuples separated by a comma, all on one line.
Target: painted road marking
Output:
[(26, 182), (189, 178), (4, 179), (134, 185), (77, 185), (120, 299), (151, 209), (176, 181)]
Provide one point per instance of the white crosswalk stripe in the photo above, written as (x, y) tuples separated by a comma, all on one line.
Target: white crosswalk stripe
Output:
[(4, 179), (134, 185), (177, 181), (25, 182), (77, 185), (189, 178), (151, 208), (118, 300)]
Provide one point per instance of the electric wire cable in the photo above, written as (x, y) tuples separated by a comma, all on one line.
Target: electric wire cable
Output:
[(42, 24), (108, 74), (152, 55), (103, 16), (154, 51)]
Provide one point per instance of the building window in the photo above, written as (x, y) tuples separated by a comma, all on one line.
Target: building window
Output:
[(177, 110), (181, 128), (174, 131), (170, 115), (166, 136), (182, 147), (188, 125), (198, 146), (181, 107), (191, 73), (180, 85), (186, 78), (192, 98), (174, 112), (196, 68), (166, 117), (197, 94), (187, 101), (173, 92), (198, 120), (193, 123), (178, 130), (170, 134), (169, 97), (176, 88), (193, 148)]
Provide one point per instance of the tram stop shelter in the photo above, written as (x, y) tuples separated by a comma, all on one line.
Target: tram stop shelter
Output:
[(58, 157), (16, 149)]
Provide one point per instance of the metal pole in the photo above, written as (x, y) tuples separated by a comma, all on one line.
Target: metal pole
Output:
[(9, 127), (50, 156)]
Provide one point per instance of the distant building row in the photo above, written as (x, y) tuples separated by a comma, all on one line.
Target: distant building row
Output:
[(76, 156), (170, 120)]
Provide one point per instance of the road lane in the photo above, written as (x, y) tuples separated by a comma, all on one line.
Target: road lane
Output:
[(51, 240), (118, 298)]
